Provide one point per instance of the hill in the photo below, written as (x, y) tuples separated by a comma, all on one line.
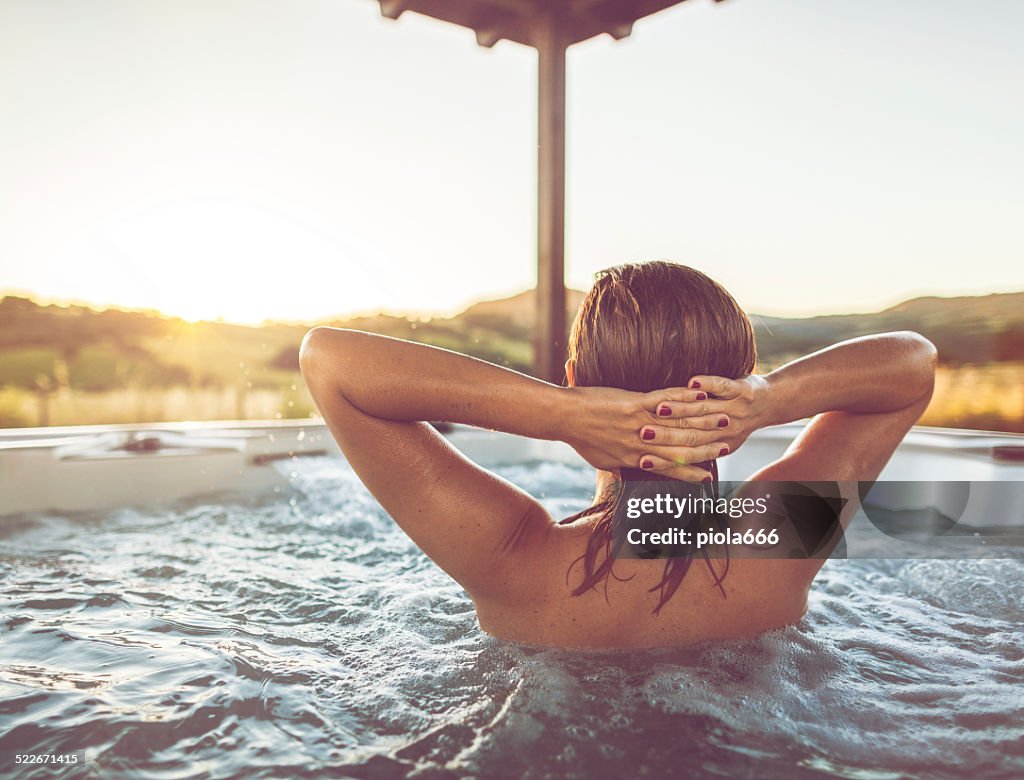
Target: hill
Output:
[(68, 365), (517, 312), (967, 330), (97, 350)]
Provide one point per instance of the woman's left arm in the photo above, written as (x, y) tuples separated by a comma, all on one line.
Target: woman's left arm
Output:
[(374, 392)]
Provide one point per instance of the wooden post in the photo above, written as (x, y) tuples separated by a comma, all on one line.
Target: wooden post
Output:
[(549, 355)]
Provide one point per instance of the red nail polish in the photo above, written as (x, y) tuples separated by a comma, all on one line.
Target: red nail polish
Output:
[(695, 384), (702, 396), (723, 423), (724, 452), (648, 434), (647, 464), (707, 481), (664, 411)]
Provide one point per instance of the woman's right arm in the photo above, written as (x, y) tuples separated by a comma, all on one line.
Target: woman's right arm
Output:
[(863, 395)]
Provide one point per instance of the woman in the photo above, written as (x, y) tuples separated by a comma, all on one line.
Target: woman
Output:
[(660, 385)]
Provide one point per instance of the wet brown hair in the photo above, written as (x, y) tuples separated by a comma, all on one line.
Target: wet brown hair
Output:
[(643, 327)]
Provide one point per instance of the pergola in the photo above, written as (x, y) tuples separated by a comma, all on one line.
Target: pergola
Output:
[(551, 27)]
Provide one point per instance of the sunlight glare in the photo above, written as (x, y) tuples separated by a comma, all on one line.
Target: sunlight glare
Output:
[(216, 259)]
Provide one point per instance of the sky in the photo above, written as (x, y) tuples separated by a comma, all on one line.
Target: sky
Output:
[(259, 159)]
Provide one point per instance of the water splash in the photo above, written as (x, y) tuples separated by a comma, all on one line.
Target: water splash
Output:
[(307, 636)]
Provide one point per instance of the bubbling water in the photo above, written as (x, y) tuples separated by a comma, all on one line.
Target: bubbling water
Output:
[(307, 636)]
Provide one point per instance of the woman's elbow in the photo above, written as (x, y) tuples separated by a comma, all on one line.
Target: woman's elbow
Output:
[(929, 354), (310, 349), (322, 348), (925, 357)]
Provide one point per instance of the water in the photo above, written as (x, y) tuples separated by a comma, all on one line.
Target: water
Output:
[(304, 636)]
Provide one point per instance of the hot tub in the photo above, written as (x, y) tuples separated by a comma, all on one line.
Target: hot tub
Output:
[(278, 624)]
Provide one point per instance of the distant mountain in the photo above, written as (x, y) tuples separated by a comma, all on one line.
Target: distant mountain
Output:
[(60, 353), (518, 311), (105, 349), (968, 329)]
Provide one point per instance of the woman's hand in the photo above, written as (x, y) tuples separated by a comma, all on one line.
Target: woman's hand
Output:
[(614, 429), (736, 407)]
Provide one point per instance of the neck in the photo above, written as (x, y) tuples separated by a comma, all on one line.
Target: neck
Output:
[(605, 479)]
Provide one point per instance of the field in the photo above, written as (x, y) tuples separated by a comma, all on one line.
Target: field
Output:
[(980, 397), (71, 365)]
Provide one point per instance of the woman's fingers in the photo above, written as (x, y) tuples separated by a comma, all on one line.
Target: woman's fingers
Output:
[(686, 431), (675, 468), (675, 410), (716, 385), (674, 394), (680, 457), (686, 455)]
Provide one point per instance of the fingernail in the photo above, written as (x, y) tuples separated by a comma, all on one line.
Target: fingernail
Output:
[(707, 481), (724, 452), (702, 396), (648, 434), (664, 411), (647, 464), (695, 384), (723, 423)]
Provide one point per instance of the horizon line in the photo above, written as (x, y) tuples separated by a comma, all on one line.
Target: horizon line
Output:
[(411, 315)]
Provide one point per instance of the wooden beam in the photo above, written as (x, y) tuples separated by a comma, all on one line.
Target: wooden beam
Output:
[(392, 9), (521, 20), (549, 355)]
